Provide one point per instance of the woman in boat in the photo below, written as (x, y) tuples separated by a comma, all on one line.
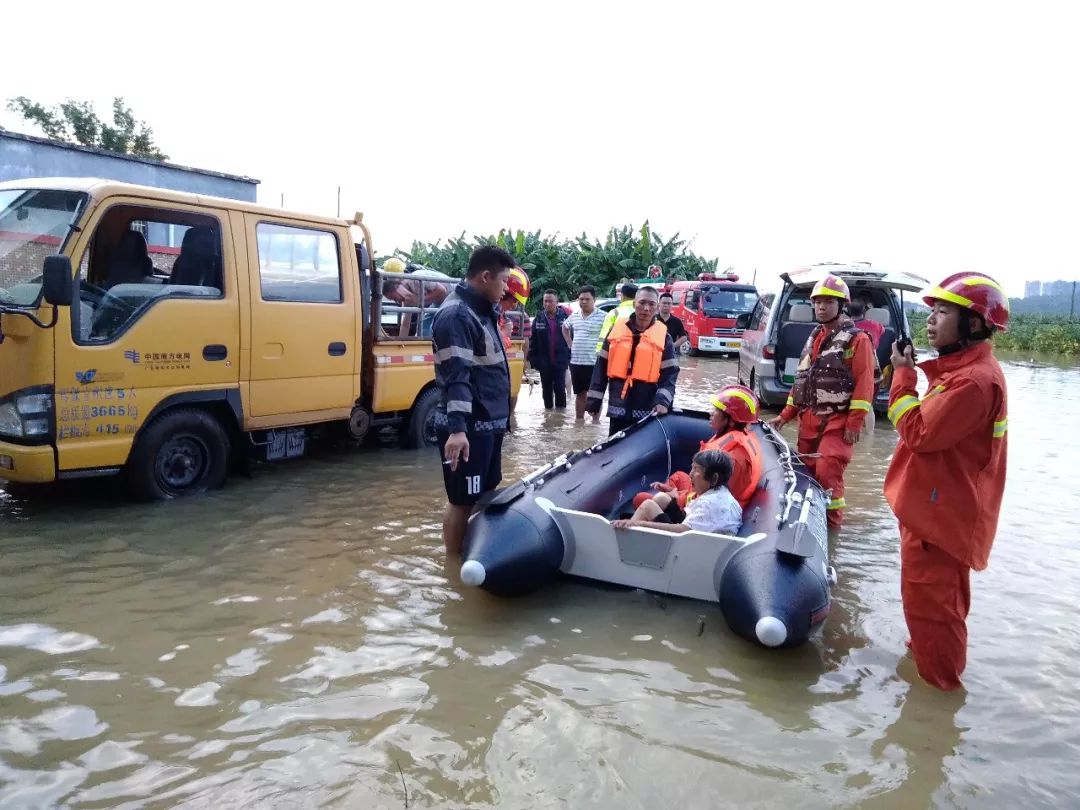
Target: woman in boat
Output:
[(735, 407), (710, 507)]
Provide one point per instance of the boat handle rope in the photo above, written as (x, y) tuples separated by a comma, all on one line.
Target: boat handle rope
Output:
[(667, 441)]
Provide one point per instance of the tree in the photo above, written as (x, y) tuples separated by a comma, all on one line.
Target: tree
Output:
[(77, 122), (565, 265)]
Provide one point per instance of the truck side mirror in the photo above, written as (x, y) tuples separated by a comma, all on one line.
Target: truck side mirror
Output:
[(56, 283), (743, 320)]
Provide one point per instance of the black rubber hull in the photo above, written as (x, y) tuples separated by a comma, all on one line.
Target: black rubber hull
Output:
[(514, 546)]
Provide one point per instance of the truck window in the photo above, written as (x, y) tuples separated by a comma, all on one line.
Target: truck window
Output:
[(409, 303), (677, 297), (720, 303), (298, 264), (138, 256), (692, 300), (33, 224)]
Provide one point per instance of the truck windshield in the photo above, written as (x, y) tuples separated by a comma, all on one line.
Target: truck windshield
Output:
[(33, 224), (718, 303)]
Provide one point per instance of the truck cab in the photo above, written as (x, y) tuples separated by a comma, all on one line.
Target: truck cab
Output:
[(161, 334), (709, 308)]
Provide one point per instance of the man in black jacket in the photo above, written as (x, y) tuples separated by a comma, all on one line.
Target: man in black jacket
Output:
[(548, 351), (473, 378)]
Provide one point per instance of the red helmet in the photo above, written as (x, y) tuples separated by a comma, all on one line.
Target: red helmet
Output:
[(518, 285), (831, 285), (977, 292), (738, 402)]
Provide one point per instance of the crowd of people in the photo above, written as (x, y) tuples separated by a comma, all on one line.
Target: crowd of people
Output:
[(944, 483)]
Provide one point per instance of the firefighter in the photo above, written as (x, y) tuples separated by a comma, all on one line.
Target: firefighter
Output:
[(518, 290), (947, 475), (637, 364), (833, 391), (734, 409)]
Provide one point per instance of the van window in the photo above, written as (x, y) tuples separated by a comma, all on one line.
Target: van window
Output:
[(298, 264), (138, 256), (760, 317)]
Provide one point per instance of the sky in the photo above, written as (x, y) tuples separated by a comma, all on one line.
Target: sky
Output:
[(926, 137)]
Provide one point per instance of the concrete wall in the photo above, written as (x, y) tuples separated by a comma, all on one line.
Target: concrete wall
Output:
[(25, 156)]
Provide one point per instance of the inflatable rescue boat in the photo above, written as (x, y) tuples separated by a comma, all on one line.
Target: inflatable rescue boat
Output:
[(771, 580)]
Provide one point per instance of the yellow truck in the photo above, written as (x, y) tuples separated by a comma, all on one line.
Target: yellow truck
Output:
[(167, 335)]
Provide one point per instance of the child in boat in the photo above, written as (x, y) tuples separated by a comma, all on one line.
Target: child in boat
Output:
[(709, 508)]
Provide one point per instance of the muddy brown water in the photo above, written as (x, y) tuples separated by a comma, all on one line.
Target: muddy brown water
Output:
[(297, 640)]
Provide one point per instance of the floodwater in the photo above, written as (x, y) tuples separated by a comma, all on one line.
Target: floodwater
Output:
[(297, 640)]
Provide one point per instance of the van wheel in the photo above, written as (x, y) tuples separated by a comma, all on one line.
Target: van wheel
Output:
[(181, 453), (420, 432), (755, 386)]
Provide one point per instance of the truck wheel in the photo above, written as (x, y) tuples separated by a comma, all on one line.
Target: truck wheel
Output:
[(181, 453), (686, 349), (420, 432)]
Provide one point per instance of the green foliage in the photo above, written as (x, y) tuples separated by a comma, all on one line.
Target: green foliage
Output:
[(77, 122), (566, 264), (1039, 334)]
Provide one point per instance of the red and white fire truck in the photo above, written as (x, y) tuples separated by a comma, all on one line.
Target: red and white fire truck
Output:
[(708, 307)]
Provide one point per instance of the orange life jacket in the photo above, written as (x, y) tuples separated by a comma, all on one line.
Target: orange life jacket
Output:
[(503, 324), (635, 365), (745, 452)]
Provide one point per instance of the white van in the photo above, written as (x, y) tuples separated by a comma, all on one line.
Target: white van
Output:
[(777, 329)]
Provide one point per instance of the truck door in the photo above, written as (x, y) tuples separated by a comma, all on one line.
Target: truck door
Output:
[(305, 338), (157, 316)]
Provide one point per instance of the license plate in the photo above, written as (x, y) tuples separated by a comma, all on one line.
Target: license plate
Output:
[(288, 443)]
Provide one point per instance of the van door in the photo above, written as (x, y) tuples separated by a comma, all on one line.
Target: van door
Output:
[(753, 337), (157, 316), (305, 339)]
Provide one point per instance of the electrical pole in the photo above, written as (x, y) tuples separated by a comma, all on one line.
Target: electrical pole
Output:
[(1072, 301), (339, 202)]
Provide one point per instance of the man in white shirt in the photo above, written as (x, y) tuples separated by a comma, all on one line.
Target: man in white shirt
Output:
[(581, 331)]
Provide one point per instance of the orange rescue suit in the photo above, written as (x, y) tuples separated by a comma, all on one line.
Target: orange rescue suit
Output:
[(824, 435), (945, 485), (640, 365)]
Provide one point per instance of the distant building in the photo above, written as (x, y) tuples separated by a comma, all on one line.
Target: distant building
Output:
[(27, 156), (1032, 289), (1057, 287)]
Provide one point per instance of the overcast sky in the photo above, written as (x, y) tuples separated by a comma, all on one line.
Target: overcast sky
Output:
[(929, 137)]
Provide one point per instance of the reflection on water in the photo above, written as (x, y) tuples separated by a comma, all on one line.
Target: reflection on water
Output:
[(298, 640)]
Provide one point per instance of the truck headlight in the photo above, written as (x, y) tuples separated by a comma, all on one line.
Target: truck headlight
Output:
[(10, 423), (27, 414)]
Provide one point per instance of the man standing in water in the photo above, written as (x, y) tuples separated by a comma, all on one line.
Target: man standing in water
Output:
[(549, 353), (473, 378), (947, 475), (581, 330), (834, 386), (673, 323), (637, 365)]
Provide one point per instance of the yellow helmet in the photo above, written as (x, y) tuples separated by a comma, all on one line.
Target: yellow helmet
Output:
[(831, 285), (394, 265)]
